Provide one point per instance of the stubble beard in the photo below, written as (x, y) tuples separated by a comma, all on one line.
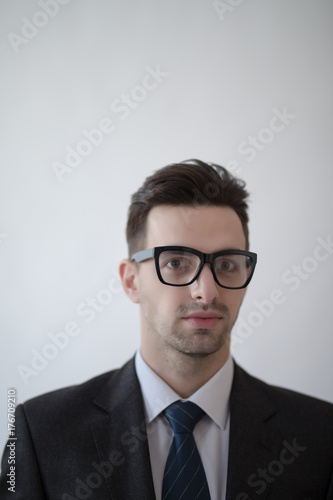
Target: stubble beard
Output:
[(176, 341), (198, 344)]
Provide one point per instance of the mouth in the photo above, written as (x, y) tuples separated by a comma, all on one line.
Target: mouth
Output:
[(203, 319)]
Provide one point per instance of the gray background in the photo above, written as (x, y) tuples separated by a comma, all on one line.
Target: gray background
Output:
[(225, 73)]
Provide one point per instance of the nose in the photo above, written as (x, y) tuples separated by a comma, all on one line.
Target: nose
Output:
[(205, 288)]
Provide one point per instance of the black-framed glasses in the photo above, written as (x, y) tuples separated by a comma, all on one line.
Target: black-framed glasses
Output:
[(181, 266)]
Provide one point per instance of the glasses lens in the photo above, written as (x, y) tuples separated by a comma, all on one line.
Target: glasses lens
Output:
[(178, 267), (233, 270)]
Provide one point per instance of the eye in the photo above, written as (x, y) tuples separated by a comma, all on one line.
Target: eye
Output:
[(225, 265), (175, 263), (171, 262)]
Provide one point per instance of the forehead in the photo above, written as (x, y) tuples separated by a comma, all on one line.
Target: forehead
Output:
[(207, 228)]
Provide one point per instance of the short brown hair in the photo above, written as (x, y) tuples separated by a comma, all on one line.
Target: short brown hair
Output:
[(189, 183)]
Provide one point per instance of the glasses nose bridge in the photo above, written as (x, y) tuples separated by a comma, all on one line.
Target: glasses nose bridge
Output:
[(207, 258)]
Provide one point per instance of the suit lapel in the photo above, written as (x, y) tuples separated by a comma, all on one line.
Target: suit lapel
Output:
[(121, 439), (254, 438), (119, 432)]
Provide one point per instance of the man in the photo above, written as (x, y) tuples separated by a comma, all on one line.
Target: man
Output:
[(181, 420)]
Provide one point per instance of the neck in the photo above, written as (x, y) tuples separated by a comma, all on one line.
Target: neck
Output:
[(184, 373)]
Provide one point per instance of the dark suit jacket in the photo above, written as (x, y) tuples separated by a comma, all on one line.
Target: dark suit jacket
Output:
[(89, 442)]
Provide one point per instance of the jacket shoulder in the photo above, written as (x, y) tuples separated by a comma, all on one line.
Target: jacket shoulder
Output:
[(290, 401), (76, 397)]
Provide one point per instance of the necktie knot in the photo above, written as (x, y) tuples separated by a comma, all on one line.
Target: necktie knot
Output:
[(183, 416)]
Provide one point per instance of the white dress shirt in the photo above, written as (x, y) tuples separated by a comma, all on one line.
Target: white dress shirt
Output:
[(211, 434)]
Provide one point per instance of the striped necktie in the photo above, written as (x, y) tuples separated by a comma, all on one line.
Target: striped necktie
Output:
[(184, 475)]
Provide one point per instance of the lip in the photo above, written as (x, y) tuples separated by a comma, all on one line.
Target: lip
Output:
[(203, 314), (203, 320), (203, 323)]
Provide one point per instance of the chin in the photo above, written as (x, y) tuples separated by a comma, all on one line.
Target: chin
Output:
[(202, 349)]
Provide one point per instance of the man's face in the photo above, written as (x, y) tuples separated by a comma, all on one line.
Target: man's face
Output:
[(166, 327)]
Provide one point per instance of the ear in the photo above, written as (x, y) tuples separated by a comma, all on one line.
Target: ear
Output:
[(129, 278)]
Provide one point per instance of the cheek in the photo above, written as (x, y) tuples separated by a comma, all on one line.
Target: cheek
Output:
[(170, 299), (148, 283), (166, 301), (162, 298), (232, 299)]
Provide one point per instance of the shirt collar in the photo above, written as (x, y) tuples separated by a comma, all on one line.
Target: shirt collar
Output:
[(212, 397)]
